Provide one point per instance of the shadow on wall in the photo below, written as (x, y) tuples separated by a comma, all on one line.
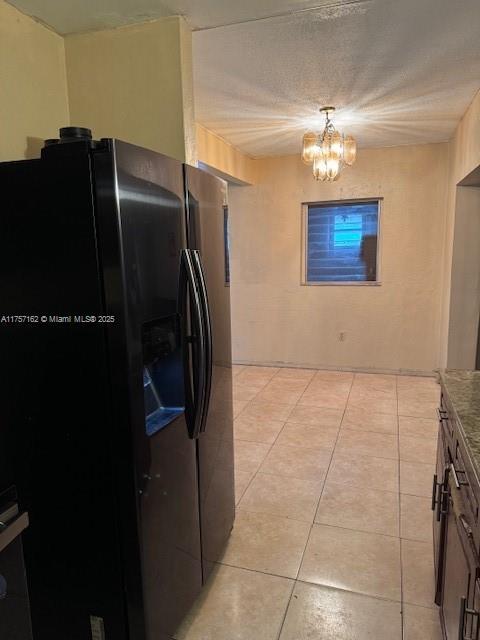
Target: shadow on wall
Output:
[(34, 147)]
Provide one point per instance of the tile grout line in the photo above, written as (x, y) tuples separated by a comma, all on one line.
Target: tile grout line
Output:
[(402, 620), (316, 584), (249, 402), (322, 586), (306, 542), (325, 475), (316, 506), (333, 451), (284, 422), (294, 580), (256, 394)]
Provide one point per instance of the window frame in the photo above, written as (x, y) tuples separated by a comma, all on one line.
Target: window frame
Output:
[(304, 232)]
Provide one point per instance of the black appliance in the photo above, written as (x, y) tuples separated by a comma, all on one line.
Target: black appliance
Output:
[(116, 408), (14, 606)]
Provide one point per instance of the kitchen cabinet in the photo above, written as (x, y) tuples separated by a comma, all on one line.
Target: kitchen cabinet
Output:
[(456, 527), (440, 502), (460, 577)]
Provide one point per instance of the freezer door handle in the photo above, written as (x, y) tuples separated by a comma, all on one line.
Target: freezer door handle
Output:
[(207, 330), (193, 344)]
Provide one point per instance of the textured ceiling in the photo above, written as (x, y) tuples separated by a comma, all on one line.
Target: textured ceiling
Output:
[(399, 71), (73, 16)]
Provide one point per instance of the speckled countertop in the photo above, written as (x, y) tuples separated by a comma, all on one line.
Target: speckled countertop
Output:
[(463, 390)]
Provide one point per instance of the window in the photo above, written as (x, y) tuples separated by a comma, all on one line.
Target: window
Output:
[(340, 242)]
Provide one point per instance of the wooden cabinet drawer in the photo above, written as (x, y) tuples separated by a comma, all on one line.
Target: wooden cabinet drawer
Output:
[(464, 478), (461, 571)]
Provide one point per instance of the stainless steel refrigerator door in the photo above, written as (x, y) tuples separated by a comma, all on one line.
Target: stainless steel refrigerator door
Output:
[(207, 208), (151, 222)]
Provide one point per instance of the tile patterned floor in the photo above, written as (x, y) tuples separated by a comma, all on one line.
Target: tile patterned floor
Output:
[(332, 539)]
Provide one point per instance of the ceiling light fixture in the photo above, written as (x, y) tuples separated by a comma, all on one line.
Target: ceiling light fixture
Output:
[(328, 151)]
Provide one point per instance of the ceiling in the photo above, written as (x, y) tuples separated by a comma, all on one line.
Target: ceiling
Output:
[(399, 71), (74, 16)]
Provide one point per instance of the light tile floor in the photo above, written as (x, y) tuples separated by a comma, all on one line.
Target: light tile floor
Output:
[(332, 539)]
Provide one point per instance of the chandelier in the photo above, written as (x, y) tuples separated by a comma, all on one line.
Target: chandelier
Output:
[(328, 151)]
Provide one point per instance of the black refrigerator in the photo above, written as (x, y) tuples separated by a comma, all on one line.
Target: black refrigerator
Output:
[(116, 385)]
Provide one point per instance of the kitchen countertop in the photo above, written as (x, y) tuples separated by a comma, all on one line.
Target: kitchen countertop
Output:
[(463, 390)]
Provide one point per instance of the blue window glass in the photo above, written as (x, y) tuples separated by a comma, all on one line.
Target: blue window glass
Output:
[(347, 230), (341, 243)]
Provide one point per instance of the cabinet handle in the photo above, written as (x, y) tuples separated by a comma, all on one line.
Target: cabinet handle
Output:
[(442, 414), (469, 533), (465, 525), (455, 477), (464, 612), (434, 492), (455, 472), (461, 626), (442, 495), (438, 497), (442, 504)]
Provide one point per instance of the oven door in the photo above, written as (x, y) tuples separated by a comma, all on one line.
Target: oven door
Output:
[(14, 605)]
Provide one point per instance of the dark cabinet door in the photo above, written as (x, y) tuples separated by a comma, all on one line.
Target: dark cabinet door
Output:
[(472, 618), (206, 200), (439, 508), (460, 572)]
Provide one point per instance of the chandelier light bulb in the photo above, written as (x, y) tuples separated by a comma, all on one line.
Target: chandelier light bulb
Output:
[(310, 147), (332, 145), (349, 150), (333, 168), (329, 151), (319, 168)]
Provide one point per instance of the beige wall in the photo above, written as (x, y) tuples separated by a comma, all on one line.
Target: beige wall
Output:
[(464, 157), (465, 281), (135, 83), (227, 161), (33, 88), (465, 147), (395, 326)]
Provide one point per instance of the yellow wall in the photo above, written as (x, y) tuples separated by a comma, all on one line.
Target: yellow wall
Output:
[(226, 159), (464, 157), (465, 146), (464, 280), (33, 88), (135, 83), (395, 326)]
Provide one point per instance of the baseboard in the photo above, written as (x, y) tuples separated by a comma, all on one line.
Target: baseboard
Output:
[(325, 367)]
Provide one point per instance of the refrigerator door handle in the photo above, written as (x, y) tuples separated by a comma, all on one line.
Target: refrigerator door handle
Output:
[(207, 324), (193, 345)]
